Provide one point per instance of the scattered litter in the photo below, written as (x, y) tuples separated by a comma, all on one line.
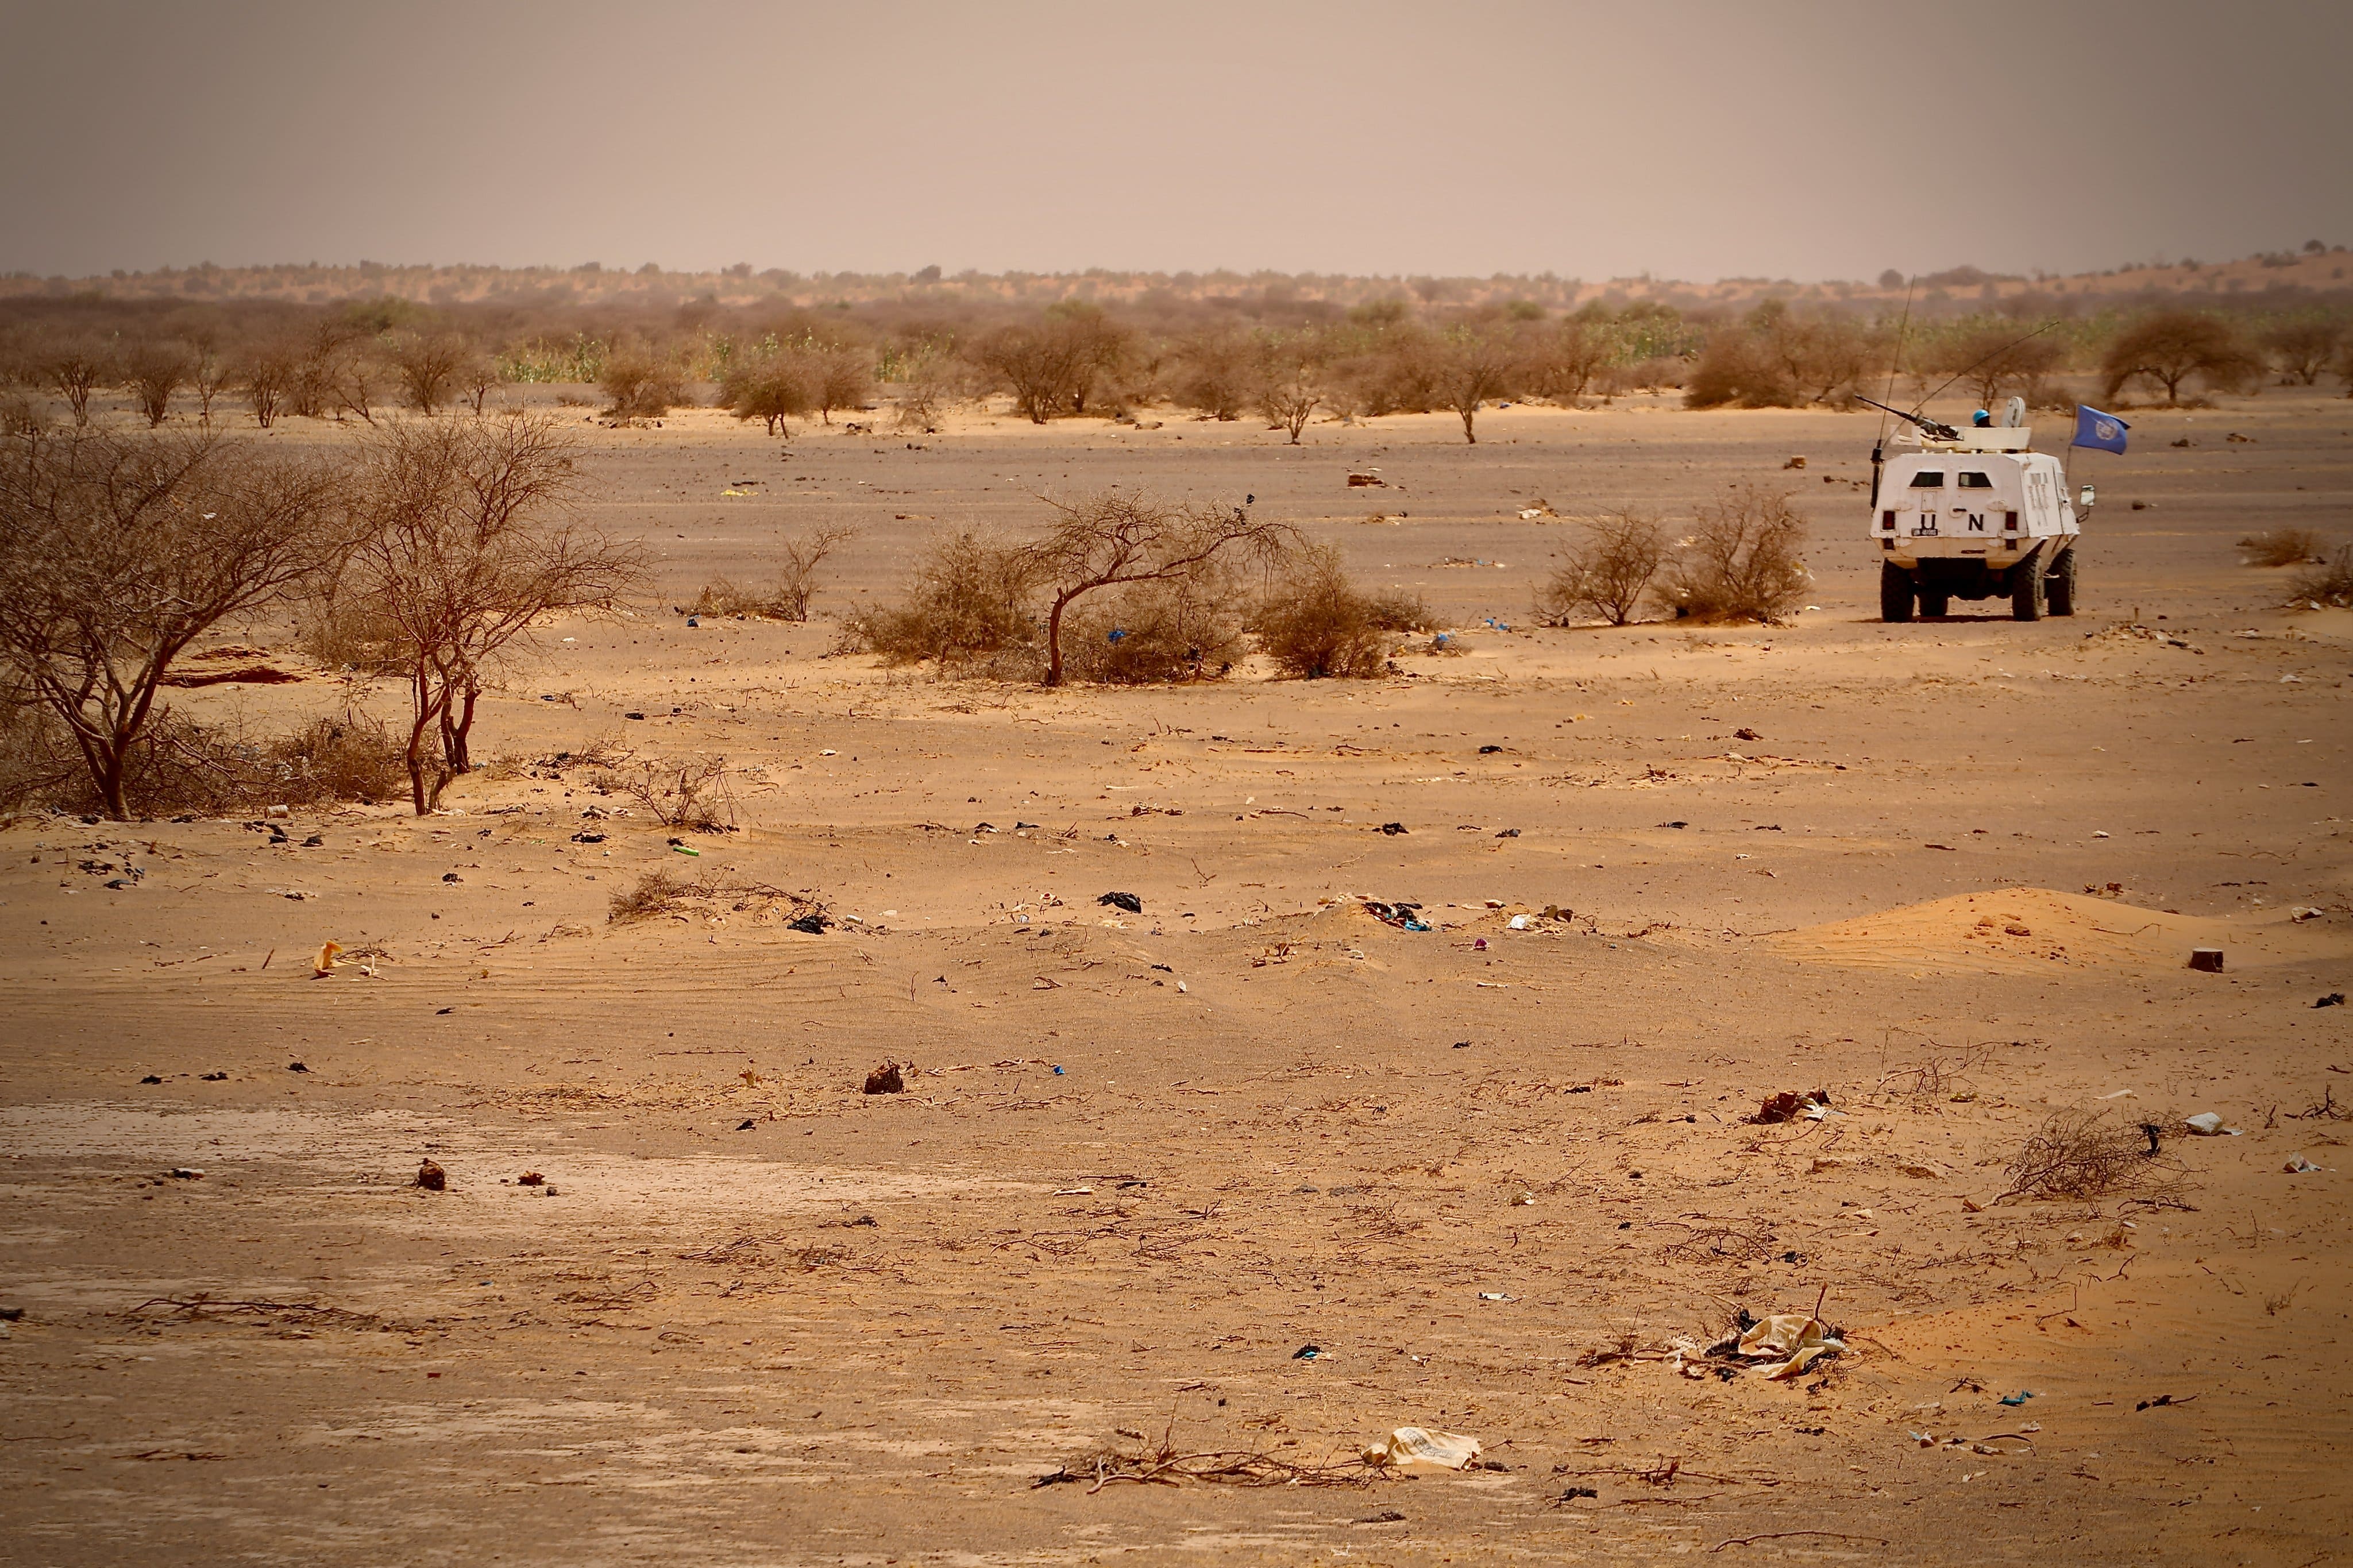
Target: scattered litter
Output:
[(1519, 923), (1393, 828), (1781, 1346), (888, 1079), (325, 964), (187, 1173), (297, 1067), (1307, 1353), (1792, 1106), (1416, 1445), (2207, 959), (1495, 1296), (431, 1176), (1404, 915), (2297, 1166), (812, 923), (2334, 999), (1127, 902), (2164, 1399), (151, 1078), (2207, 1124), (2021, 1397), (531, 1179)]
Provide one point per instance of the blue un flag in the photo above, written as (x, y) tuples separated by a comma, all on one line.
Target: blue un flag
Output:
[(2094, 428)]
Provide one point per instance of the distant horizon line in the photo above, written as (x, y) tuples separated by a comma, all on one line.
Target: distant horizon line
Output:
[(1962, 274)]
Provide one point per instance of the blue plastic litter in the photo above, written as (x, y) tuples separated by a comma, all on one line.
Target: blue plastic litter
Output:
[(1117, 633), (1057, 1072), (2021, 1397)]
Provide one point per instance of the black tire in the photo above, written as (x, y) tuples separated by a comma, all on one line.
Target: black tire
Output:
[(2027, 598), (1936, 601), (2060, 586), (1894, 592)]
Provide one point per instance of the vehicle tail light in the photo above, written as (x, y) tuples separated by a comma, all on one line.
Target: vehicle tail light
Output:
[(1887, 520), (2009, 522)]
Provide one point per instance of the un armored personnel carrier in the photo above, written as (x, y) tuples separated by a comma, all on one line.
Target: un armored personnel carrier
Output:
[(1973, 514)]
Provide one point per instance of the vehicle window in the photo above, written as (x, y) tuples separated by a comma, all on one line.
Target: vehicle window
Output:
[(1973, 481), (1929, 479)]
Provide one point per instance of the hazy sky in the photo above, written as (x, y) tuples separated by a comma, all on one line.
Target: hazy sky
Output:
[(1696, 140)]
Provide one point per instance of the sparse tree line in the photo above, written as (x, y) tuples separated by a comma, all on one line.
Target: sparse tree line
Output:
[(1121, 588), (361, 359)]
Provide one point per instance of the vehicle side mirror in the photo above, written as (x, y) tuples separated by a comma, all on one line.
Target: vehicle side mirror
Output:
[(2086, 499)]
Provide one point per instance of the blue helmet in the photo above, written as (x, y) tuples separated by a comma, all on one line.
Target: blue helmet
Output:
[(1981, 418)]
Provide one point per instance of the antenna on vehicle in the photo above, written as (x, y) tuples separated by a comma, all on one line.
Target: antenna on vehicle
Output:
[(1879, 442), (1995, 356)]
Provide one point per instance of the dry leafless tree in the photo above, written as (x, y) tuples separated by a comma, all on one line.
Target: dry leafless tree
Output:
[(1288, 393), (209, 375), (154, 371), (265, 373), (427, 366), (465, 547), (803, 553), (1608, 571), (74, 367), (1037, 364), (1113, 539), (115, 555), (1474, 365)]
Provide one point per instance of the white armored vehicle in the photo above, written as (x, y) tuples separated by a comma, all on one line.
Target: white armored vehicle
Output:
[(1973, 514)]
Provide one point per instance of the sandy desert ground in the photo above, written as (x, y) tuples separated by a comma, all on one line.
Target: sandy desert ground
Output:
[(1949, 872)]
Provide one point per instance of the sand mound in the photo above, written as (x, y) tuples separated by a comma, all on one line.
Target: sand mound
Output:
[(2021, 930)]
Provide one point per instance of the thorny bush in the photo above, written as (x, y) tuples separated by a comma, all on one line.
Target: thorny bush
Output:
[(1314, 623), (2283, 547), (970, 600), (2330, 583), (2083, 1154), (1740, 562)]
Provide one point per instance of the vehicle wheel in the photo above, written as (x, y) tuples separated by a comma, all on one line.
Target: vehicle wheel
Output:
[(2061, 587), (2026, 591), (1935, 601), (1894, 593)]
